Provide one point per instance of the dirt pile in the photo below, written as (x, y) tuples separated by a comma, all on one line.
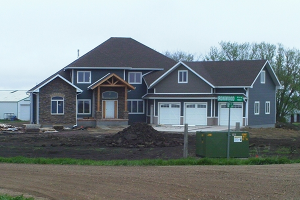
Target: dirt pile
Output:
[(289, 126), (141, 135)]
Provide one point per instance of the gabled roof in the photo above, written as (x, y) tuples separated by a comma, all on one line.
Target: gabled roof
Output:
[(228, 74), (122, 53), (112, 80), (37, 88), (13, 95)]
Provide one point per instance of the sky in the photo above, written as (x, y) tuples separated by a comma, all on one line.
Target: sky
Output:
[(38, 38)]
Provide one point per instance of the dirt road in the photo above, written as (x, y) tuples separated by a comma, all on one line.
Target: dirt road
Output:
[(173, 182)]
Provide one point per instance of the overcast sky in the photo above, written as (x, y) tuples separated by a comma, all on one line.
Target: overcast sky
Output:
[(38, 38)]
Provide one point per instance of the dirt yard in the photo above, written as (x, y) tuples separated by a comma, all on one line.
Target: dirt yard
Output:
[(178, 182), (135, 143)]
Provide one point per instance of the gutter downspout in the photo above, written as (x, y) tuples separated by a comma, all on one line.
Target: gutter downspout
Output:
[(247, 107)]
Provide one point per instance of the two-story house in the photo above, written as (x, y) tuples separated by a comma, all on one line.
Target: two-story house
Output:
[(122, 81)]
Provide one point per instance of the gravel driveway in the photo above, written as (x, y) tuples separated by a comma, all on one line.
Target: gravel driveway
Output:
[(171, 182)]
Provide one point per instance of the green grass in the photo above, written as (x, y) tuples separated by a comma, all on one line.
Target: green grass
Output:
[(151, 162), (283, 150), (7, 197)]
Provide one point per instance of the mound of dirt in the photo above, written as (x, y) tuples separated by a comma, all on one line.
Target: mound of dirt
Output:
[(289, 126), (141, 135)]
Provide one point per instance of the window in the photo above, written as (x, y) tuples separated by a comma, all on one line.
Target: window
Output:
[(110, 95), (135, 77), (256, 108), (135, 106), (263, 77), (83, 77), (57, 105), (267, 107), (84, 106), (182, 76)]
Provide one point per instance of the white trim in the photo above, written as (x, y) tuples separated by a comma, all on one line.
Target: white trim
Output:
[(158, 104), (236, 103), (186, 93), (181, 73), (267, 107), (173, 68), (179, 98), (234, 86), (38, 89), (184, 114), (135, 81), (63, 106), (125, 68), (98, 81), (90, 106), (84, 82), (263, 77), (258, 108), (37, 108), (114, 109), (247, 108), (272, 75), (137, 100), (211, 107)]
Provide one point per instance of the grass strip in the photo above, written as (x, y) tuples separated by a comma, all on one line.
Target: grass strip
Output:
[(151, 162), (8, 197)]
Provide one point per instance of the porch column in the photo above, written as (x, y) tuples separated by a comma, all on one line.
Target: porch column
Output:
[(125, 104), (98, 112)]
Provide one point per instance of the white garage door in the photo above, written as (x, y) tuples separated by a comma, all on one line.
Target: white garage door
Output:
[(196, 113), (236, 114), (24, 113), (169, 113)]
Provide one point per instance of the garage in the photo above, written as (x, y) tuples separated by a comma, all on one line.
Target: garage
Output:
[(236, 114), (196, 113), (169, 113), (24, 112)]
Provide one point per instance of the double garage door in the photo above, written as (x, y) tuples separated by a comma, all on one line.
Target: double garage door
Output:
[(195, 113), (236, 114)]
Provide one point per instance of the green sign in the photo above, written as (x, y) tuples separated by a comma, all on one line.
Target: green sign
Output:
[(229, 104), (231, 98)]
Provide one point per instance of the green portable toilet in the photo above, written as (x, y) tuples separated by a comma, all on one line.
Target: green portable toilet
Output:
[(214, 144)]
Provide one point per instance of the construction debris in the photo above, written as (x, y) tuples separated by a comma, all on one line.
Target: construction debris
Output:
[(8, 128)]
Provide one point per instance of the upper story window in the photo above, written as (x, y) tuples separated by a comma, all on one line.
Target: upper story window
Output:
[(263, 76), (57, 105), (182, 76), (83, 77), (135, 77)]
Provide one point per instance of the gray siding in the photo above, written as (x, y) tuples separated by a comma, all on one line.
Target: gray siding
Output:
[(170, 84), (230, 90), (262, 93)]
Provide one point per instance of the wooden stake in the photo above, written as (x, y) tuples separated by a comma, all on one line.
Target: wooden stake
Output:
[(185, 141)]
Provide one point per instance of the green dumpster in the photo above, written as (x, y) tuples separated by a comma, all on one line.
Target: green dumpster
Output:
[(214, 144)]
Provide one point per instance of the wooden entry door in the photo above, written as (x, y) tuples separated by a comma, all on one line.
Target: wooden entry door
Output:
[(110, 109)]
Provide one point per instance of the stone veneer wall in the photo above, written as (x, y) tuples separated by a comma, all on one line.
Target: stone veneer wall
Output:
[(57, 87), (121, 100)]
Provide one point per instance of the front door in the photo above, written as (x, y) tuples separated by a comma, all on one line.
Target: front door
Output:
[(110, 109)]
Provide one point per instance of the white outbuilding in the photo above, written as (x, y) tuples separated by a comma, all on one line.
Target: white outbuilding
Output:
[(14, 104)]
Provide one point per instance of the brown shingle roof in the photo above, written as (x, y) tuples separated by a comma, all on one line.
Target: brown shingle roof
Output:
[(122, 52), (228, 73)]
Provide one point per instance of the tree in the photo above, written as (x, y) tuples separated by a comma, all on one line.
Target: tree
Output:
[(180, 55), (285, 63)]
